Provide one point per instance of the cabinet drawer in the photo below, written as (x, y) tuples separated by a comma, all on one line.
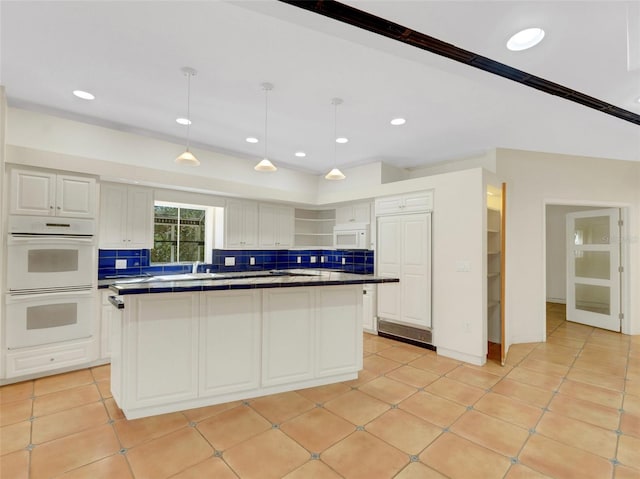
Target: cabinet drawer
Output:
[(36, 360)]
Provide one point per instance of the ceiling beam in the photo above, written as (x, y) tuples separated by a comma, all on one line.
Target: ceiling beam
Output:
[(372, 23)]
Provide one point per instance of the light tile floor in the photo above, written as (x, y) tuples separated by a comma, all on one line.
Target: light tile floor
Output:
[(567, 408)]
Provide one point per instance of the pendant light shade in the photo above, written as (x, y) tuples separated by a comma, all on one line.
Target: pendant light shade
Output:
[(188, 158), (335, 173), (265, 164)]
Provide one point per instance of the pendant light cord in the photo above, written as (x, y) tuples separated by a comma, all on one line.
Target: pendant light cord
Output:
[(189, 75), (266, 109), (335, 133)]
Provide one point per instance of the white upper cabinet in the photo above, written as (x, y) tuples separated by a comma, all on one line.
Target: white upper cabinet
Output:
[(354, 213), (276, 226), (42, 193), (241, 224), (421, 201), (126, 217)]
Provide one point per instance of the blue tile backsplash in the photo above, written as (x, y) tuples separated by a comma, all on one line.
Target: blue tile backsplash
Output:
[(138, 261)]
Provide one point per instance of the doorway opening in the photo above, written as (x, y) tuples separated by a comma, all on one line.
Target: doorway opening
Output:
[(586, 266)]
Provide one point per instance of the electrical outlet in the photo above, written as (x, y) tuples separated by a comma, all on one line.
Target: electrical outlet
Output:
[(322, 259), (299, 260), (229, 261), (344, 260), (121, 264), (252, 261), (313, 259)]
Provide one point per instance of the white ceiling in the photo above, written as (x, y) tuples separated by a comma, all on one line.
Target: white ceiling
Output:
[(129, 54)]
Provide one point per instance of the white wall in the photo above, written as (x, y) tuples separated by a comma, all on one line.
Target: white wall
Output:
[(536, 179), (113, 154), (557, 250)]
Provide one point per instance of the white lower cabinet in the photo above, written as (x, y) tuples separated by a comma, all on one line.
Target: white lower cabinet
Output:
[(107, 317), (229, 341), (287, 344), (338, 338), (160, 349), (48, 358), (175, 351)]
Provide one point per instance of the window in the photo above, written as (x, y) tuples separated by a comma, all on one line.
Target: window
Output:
[(181, 233)]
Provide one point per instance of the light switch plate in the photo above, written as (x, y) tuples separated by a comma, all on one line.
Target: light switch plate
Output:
[(229, 261), (121, 264), (299, 259), (252, 261), (344, 260), (322, 259), (313, 259)]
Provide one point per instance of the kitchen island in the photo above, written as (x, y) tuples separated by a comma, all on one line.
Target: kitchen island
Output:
[(204, 340)]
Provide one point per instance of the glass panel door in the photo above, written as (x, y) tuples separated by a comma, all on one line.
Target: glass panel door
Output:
[(593, 259)]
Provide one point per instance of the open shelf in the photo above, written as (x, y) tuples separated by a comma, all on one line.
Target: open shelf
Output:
[(314, 228)]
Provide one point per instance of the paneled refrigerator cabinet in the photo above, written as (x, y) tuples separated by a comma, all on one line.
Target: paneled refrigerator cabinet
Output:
[(404, 251)]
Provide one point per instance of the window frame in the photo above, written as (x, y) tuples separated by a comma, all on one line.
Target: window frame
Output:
[(209, 227)]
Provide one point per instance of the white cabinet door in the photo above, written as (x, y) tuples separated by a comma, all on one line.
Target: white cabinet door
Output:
[(48, 358), (338, 330), (388, 205), (233, 224), (268, 226), (126, 217), (389, 254), (415, 279), (109, 316), (33, 193), (160, 346), (140, 216), (241, 224), (230, 341), (288, 331), (355, 213), (47, 194), (404, 252), (276, 226), (421, 201), (408, 203), (285, 226), (75, 196), (362, 212), (113, 216), (250, 225)]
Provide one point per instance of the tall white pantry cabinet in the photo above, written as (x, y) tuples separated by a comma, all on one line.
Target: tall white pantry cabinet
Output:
[(404, 251)]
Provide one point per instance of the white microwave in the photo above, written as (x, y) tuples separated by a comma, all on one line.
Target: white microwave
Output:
[(351, 236)]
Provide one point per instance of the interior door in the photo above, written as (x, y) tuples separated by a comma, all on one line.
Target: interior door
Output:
[(593, 268)]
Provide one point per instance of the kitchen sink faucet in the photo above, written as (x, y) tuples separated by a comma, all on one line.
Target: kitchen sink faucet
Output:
[(194, 268)]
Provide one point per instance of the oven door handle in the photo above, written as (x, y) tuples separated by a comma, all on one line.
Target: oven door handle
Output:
[(49, 239), (19, 298)]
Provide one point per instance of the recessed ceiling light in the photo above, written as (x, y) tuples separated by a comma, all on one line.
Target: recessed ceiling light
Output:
[(398, 121), (85, 95), (183, 121), (342, 139), (251, 139), (526, 38), (300, 154)]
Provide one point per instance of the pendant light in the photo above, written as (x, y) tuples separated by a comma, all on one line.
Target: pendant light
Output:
[(335, 173), (265, 164), (188, 158)]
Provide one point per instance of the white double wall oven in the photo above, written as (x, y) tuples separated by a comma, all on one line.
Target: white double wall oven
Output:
[(50, 280)]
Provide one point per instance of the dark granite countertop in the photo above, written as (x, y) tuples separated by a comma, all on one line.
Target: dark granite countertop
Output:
[(238, 280)]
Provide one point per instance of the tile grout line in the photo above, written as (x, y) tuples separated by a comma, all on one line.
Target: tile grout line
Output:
[(619, 432)]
